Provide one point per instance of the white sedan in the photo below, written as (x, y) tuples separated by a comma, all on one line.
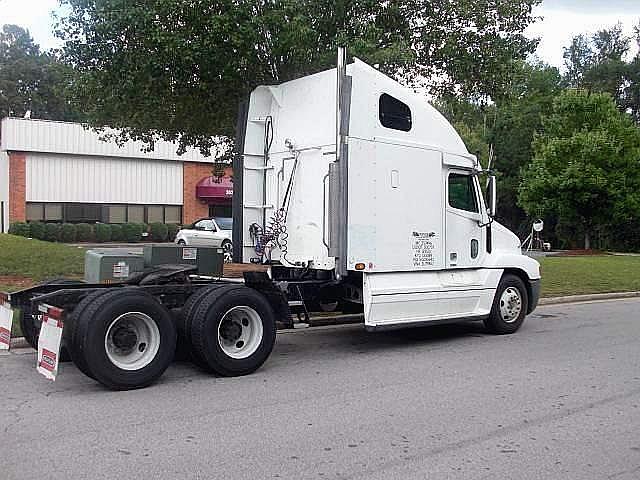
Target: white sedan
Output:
[(208, 232)]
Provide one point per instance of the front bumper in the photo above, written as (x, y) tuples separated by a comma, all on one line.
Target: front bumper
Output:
[(534, 295)]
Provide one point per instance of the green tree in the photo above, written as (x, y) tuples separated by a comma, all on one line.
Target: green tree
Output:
[(585, 167), (518, 117), (177, 69), (508, 125), (31, 80), (600, 63)]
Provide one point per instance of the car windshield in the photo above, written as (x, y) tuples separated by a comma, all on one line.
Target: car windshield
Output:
[(225, 223)]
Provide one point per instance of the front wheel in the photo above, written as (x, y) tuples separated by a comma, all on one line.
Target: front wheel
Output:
[(509, 306), (182, 243)]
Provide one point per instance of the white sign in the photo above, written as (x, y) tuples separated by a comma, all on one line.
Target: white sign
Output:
[(121, 270), (6, 320), (422, 246), (189, 253), (49, 347)]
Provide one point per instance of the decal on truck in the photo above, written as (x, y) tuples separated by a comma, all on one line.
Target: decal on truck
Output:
[(422, 248)]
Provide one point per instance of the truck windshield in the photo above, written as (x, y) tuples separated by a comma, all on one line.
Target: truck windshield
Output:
[(225, 223)]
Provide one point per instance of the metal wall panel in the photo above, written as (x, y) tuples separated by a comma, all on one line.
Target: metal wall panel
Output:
[(4, 191), (77, 178), (25, 135)]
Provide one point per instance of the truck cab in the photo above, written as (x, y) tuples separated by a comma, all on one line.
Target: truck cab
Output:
[(348, 178)]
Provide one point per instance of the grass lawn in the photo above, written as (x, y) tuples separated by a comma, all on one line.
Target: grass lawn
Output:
[(24, 261), (589, 274)]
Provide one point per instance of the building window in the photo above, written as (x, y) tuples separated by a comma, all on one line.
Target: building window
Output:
[(135, 214), (394, 114), (82, 212), (35, 212), (172, 214), (53, 212), (155, 214), (94, 212), (462, 192), (115, 214)]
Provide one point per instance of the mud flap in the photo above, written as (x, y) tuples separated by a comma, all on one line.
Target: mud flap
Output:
[(6, 320), (49, 341)]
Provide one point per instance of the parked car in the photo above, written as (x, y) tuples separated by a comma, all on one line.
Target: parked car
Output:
[(208, 232)]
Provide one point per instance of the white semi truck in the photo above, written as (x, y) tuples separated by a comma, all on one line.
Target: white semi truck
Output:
[(355, 192)]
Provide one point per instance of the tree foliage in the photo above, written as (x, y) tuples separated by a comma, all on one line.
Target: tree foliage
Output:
[(519, 116), (178, 68), (508, 125), (31, 80), (601, 63), (585, 165)]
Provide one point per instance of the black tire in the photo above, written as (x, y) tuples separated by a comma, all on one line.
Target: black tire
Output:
[(184, 348), (206, 322), (496, 323), (92, 328), (30, 323), (72, 331), (182, 243)]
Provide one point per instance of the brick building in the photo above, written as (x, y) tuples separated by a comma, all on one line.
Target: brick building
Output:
[(62, 172)]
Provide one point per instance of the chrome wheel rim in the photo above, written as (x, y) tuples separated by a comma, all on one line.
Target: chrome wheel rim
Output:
[(132, 341), (240, 332), (510, 304)]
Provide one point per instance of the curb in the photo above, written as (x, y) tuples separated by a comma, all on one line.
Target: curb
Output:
[(587, 298)]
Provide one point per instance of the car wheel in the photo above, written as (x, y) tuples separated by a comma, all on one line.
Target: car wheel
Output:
[(182, 242)]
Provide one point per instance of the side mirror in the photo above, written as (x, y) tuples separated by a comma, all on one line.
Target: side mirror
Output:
[(492, 196)]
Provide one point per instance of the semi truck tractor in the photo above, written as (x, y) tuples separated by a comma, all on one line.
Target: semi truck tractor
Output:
[(350, 191)]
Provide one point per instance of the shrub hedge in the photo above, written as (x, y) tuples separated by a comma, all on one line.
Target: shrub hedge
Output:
[(52, 232), (172, 231), (85, 232), (159, 232), (117, 234), (100, 232), (20, 228), (37, 230), (68, 233), (103, 232)]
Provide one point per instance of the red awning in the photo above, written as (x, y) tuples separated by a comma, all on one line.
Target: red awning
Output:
[(215, 188)]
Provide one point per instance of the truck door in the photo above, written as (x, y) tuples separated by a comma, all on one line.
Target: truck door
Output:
[(464, 235)]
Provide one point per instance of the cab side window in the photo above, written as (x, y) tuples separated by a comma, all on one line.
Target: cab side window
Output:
[(462, 192), (394, 114)]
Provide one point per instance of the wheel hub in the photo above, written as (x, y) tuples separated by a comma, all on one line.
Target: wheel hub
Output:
[(240, 332), (510, 304), (132, 341), (231, 330), (124, 338)]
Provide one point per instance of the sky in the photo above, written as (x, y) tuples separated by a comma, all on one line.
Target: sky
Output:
[(562, 20)]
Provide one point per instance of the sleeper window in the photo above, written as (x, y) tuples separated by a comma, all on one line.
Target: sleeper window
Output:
[(462, 192), (394, 114)]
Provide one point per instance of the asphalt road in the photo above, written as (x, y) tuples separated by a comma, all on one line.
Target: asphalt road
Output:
[(560, 399)]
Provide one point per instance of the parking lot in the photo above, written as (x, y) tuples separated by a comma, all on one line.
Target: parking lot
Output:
[(560, 399)]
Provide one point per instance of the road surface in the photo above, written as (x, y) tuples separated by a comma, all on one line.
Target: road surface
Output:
[(560, 399)]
